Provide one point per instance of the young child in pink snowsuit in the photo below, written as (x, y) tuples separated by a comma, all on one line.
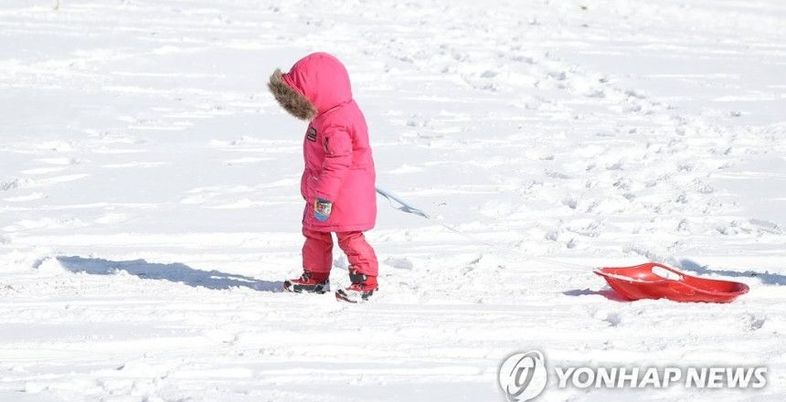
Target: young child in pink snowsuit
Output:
[(339, 175)]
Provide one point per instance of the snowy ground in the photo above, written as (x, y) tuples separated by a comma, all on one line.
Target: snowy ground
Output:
[(149, 202)]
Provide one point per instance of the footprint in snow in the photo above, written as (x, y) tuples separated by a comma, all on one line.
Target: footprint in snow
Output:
[(14, 184), (755, 323), (400, 263), (613, 319)]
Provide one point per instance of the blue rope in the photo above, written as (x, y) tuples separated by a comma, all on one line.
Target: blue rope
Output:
[(404, 207)]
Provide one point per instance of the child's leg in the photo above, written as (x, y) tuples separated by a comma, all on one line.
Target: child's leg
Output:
[(317, 251), (359, 253)]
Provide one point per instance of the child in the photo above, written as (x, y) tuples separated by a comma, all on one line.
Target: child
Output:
[(338, 181)]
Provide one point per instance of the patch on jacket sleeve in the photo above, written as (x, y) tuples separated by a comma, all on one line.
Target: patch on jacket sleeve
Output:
[(311, 134)]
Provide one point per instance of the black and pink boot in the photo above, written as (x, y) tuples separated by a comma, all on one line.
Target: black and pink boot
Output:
[(309, 282), (362, 287)]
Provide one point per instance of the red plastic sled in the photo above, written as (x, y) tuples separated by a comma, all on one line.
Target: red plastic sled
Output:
[(656, 281)]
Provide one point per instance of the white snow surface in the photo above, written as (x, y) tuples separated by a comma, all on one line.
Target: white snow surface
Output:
[(150, 207)]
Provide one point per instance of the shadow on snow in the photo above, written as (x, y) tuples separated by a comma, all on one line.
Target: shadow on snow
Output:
[(765, 277), (176, 272), (607, 292)]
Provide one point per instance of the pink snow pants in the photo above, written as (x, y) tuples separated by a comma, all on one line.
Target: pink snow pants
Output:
[(318, 252)]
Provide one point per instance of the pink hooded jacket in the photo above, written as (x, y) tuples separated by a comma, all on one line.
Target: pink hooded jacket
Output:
[(338, 162)]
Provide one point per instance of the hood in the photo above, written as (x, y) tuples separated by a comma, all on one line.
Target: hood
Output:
[(316, 83)]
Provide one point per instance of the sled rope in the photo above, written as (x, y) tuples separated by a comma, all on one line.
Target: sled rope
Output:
[(405, 207)]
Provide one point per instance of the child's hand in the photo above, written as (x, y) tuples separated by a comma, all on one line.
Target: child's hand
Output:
[(322, 209)]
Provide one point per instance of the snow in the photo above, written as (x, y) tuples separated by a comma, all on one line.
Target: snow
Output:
[(149, 204)]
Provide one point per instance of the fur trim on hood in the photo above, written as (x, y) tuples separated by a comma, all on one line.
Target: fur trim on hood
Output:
[(293, 102)]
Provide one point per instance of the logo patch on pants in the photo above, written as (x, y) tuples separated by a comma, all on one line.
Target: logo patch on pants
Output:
[(311, 134)]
